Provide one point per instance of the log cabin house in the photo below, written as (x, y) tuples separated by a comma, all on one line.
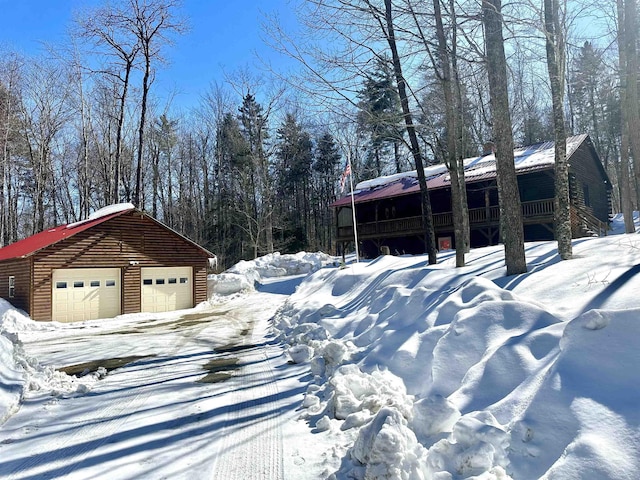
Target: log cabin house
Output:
[(388, 209), (118, 261)]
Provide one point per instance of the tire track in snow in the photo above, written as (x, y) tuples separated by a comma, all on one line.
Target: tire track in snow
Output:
[(252, 442)]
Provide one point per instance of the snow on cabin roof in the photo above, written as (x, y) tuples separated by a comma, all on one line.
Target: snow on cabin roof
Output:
[(30, 245), (529, 158)]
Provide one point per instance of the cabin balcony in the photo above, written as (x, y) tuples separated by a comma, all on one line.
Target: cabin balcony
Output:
[(534, 212)]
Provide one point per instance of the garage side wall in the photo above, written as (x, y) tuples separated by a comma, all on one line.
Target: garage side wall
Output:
[(129, 242), (21, 271)]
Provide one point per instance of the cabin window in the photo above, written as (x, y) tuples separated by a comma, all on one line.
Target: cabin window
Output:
[(12, 286), (78, 284), (61, 284), (585, 191), (110, 283), (172, 281), (95, 283), (147, 281)]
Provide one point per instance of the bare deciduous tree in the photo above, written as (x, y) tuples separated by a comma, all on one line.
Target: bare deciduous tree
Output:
[(106, 28), (511, 228), (151, 22), (555, 46), (427, 217)]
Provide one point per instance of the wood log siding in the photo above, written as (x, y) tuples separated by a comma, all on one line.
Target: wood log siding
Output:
[(21, 270), (586, 172), (115, 243), (132, 290)]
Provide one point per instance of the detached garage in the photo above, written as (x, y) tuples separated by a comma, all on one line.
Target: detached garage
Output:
[(118, 261)]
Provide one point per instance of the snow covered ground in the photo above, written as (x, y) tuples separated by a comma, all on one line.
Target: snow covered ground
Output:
[(394, 369)]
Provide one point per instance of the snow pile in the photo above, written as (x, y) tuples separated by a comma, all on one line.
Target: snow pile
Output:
[(228, 283), (11, 377), (432, 372), (245, 274), (20, 375)]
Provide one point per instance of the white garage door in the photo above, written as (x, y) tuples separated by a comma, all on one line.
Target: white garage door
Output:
[(85, 294), (166, 289)]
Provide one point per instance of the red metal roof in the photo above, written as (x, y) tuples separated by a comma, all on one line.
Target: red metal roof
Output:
[(35, 243)]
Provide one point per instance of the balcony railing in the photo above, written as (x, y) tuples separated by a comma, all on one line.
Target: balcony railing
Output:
[(536, 211)]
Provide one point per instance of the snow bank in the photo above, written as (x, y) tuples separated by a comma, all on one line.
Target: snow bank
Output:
[(22, 376), (245, 274), (423, 372), (228, 283)]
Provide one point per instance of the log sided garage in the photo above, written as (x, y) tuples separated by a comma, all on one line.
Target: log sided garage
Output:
[(389, 214), (118, 261)]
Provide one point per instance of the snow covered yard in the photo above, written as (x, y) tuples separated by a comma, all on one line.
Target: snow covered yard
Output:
[(200, 393), (400, 371)]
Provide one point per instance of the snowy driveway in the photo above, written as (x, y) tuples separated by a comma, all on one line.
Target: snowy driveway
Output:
[(205, 395)]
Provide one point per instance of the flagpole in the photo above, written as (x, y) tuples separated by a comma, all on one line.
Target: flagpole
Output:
[(353, 204)]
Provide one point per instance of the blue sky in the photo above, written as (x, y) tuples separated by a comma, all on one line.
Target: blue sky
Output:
[(224, 36)]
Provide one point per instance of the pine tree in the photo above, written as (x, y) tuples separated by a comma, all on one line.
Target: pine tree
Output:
[(258, 209), (326, 161), (231, 187), (293, 173), (380, 119)]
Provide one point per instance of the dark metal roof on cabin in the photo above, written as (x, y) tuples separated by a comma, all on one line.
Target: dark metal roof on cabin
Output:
[(477, 169)]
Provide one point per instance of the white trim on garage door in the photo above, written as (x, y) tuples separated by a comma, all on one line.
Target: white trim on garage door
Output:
[(85, 294), (165, 289)]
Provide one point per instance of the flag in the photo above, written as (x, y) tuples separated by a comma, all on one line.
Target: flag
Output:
[(345, 174)]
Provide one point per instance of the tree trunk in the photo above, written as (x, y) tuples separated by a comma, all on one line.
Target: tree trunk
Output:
[(555, 67), (624, 171), (632, 102), (143, 113), (118, 160), (427, 216), (453, 151), (508, 194), (5, 186)]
